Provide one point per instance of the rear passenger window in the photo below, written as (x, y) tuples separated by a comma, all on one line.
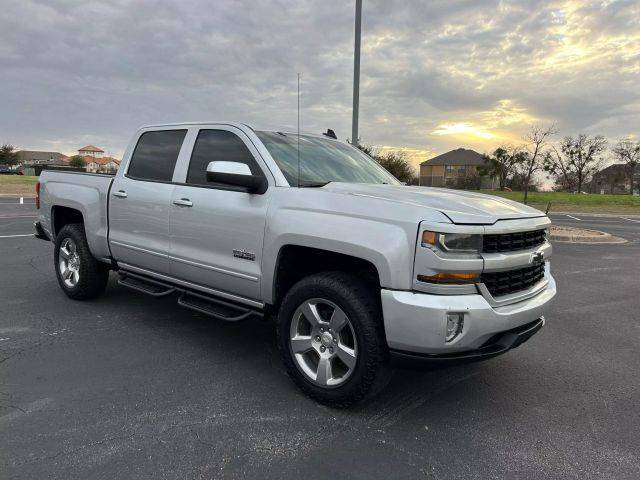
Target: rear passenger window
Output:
[(155, 155), (215, 146)]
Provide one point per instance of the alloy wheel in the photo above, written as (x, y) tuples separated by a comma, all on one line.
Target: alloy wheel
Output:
[(69, 263), (323, 342)]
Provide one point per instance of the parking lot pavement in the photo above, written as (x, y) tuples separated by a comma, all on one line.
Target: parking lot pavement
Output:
[(627, 227), (130, 387)]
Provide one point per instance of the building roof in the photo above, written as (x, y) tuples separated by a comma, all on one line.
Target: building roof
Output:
[(616, 168), (37, 155), (459, 156), (90, 148)]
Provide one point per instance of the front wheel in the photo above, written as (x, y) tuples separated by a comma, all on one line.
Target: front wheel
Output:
[(331, 339), (80, 275)]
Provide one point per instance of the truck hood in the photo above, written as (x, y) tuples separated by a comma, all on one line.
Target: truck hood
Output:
[(460, 206)]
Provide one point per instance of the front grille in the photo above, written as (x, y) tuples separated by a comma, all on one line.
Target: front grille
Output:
[(509, 242), (504, 283)]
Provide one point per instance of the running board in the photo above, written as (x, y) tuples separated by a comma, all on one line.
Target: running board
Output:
[(145, 285), (215, 308), (206, 304)]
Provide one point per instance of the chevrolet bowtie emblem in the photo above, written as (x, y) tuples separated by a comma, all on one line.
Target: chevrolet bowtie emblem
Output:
[(536, 257)]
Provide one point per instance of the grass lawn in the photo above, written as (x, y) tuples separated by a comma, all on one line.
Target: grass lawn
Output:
[(576, 202), (17, 185)]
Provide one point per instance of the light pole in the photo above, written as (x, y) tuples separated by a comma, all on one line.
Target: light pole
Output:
[(356, 75)]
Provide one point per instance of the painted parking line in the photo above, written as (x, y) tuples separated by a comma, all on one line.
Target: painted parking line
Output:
[(630, 219), (21, 235), (571, 216), (19, 201), (18, 216)]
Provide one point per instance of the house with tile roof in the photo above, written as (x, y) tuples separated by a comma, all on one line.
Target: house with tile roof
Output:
[(90, 151), (94, 158), (101, 164), (96, 161)]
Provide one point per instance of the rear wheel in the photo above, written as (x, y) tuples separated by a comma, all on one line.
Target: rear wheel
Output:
[(80, 275), (331, 339)]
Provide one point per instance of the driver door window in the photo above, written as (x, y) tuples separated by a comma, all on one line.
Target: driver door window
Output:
[(218, 145)]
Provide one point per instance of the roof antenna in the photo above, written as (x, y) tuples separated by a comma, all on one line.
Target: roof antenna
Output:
[(298, 138)]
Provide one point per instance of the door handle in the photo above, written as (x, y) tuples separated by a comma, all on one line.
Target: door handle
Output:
[(120, 194), (183, 202)]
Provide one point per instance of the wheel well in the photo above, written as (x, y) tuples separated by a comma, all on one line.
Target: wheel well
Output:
[(296, 262), (64, 216)]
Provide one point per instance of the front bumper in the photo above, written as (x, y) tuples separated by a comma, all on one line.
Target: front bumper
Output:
[(415, 323), (496, 345)]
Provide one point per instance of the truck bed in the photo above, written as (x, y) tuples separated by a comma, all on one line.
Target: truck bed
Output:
[(86, 193)]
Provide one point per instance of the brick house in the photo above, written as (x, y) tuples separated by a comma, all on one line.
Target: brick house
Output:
[(614, 179), (447, 169)]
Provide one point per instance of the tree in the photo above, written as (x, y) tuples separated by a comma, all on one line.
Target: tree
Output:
[(518, 180), (579, 158), (395, 162), (369, 150), (77, 161), (502, 164), (471, 180), (8, 155), (628, 153), (557, 166), (536, 139)]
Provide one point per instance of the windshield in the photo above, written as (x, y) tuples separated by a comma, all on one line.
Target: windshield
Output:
[(322, 160)]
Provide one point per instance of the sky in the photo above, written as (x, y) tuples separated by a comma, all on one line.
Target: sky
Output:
[(436, 75)]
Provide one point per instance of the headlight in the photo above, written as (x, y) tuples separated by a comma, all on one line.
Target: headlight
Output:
[(452, 242)]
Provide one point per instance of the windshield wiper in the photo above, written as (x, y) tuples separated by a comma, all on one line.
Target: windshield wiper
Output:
[(304, 184)]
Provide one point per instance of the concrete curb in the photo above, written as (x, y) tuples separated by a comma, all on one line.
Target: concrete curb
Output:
[(604, 215), (582, 235)]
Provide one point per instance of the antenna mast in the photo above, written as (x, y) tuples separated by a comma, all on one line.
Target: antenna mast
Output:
[(298, 136)]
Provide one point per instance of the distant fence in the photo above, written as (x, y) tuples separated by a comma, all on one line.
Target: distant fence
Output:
[(36, 170)]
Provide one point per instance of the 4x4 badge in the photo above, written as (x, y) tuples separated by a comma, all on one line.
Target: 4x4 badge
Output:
[(244, 254)]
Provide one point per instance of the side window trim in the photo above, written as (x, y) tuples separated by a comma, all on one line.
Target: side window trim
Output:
[(194, 133), (181, 151)]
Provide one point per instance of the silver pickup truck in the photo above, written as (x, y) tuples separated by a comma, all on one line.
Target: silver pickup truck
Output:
[(361, 273)]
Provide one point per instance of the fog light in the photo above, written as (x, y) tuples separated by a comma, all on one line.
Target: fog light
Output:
[(455, 322)]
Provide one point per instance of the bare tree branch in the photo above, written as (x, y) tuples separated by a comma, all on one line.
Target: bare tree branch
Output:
[(536, 139)]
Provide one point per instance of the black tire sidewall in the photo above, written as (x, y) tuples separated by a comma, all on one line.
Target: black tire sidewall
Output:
[(362, 307), (93, 275)]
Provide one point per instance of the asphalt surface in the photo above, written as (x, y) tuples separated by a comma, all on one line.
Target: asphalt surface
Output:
[(131, 387)]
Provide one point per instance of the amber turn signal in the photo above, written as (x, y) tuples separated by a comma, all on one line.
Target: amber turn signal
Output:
[(450, 278), (428, 238)]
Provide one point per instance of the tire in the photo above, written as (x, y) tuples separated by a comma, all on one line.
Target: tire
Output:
[(80, 275), (363, 336)]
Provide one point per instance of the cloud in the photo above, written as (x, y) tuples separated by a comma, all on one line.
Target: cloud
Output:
[(435, 75), (462, 129)]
